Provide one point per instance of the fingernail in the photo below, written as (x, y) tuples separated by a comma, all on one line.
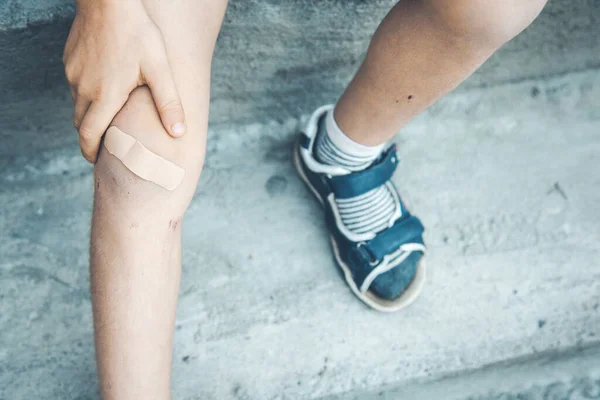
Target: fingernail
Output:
[(178, 128)]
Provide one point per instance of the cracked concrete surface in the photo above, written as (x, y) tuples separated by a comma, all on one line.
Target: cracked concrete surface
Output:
[(505, 179)]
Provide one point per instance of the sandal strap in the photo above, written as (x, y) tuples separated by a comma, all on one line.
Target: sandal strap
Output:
[(408, 229), (357, 183), (389, 249)]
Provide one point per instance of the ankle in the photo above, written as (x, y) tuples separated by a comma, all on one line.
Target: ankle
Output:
[(334, 147)]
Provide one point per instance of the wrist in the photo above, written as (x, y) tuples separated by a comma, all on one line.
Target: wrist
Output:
[(101, 5), (95, 3)]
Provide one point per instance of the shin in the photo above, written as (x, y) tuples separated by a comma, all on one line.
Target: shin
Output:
[(422, 50)]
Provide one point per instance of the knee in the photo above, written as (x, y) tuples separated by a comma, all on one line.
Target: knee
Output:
[(488, 23), (117, 187)]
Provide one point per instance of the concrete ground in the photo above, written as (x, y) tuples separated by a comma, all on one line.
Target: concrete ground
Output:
[(504, 173), (506, 180)]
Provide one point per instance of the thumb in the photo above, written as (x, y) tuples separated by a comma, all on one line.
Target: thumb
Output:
[(160, 80)]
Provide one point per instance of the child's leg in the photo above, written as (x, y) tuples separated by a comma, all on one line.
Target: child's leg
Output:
[(421, 51), (136, 227)]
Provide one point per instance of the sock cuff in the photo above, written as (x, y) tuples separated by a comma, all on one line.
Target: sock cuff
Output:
[(344, 143)]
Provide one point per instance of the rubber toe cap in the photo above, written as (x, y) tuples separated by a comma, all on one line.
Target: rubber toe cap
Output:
[(394, 282)]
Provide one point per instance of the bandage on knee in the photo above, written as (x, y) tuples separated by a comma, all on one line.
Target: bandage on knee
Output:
[(141, 161)]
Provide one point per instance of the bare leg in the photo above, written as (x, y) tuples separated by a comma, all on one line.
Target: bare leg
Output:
[(422, 50), (136, 227)]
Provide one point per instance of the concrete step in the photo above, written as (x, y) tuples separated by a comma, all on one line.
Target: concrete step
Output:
[(505, 179), (275, 59), (573, 374)]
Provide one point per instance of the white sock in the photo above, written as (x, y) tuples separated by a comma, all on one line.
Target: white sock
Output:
[(333, 147), (371, 211)]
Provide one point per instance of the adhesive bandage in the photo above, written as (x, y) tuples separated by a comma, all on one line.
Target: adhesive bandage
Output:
[(141, 161)]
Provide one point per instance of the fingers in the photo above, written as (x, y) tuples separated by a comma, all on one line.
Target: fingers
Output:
[(162, 85), (81, 107), (93, 125)]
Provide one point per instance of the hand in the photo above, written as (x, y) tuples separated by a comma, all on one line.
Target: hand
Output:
[(113, 47)]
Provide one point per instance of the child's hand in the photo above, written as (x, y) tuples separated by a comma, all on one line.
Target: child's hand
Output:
[(112, 48)]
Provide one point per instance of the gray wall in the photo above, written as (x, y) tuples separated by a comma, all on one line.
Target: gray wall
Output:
[(276, 59), (16, 14)]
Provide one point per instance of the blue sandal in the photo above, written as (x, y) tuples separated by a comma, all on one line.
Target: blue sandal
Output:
[(386, 270)]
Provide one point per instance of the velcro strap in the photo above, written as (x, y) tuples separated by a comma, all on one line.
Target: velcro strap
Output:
[(406, 230), (304, 140), (357, 183)]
